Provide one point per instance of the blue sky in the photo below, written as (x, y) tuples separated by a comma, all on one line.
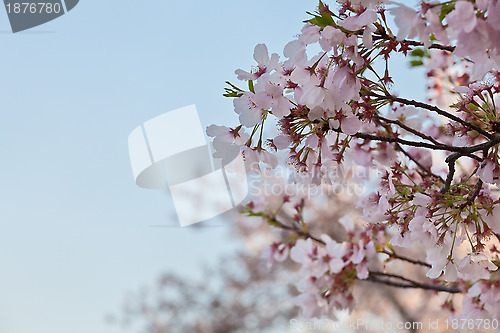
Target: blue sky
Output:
[(76, 231)]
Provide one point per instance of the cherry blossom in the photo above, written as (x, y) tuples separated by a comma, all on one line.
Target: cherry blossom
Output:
[(265, 64), (433, 164)]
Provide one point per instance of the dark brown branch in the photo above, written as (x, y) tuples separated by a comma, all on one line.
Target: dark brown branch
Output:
[(448, 48), (381, 34), (420, 165), (409, 129), (427, 171), (274, 221), (374, 277), (384, 36), (458, 151), (472, 196), (477, 189), (389, 275), (381, 138), (466, 151), (451, 173), (403, 258), (437, 110)]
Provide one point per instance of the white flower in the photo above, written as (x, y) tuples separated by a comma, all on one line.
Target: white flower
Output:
[(265, 64), (351, 124), (309, 34), (437, 256), (405, 19), (302, 250), (357, 22), (221, 133), (374, 208), (226, 151), (358, 4), (251, 107), (282, 142), (295, 50), (331, 37), (463, 17), (336, 251), (347, 222), (277, 251), (309, 304), (476, 266), (486, 172)]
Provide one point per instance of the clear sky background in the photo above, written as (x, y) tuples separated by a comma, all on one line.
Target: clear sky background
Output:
[(76, 232)]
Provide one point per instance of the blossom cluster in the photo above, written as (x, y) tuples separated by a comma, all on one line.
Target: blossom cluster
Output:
[(329, 272), (438, 161)]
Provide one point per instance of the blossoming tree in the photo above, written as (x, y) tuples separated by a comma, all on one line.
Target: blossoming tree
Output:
[(244, 293), (435, 197)]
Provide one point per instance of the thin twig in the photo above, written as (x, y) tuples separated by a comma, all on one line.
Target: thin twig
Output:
[(412, 261), (373, 276), (385, 36), (389, 275), (398, 146), (381, 138), (409, 129), (448, 48), (472, 196), (415, 285), (420, 165), (466, 151), (437, 110), (274, 221)]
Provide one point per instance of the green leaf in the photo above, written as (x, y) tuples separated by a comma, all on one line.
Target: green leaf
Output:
[(249, 212), (415, 63), (446, 8), (273, 223), (321, 19), (473, 106), (250, 86), (418, 52), (232, 94), (233, 86), (232, 91)]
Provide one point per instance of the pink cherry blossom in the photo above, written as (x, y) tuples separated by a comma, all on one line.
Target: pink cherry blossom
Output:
[(463, 17), (265, 64)]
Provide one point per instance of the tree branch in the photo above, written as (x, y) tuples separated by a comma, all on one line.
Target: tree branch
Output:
[(437, 110), (274, 221), (466, 151), (448, 48), (409, 129), (384, 36), (376, 277), (451, 173), (472, 196), (398, 146), (381, 138), (412, 261), (420, 165)]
